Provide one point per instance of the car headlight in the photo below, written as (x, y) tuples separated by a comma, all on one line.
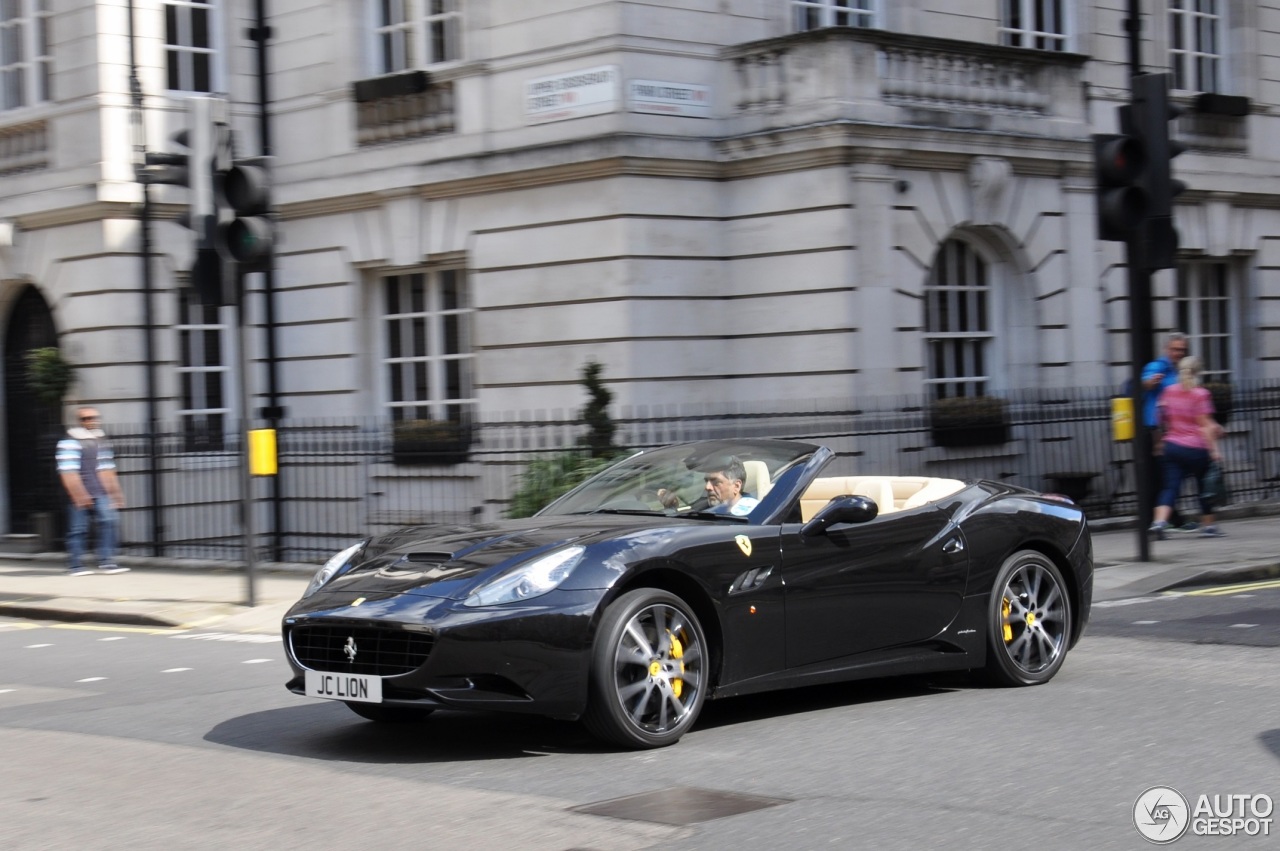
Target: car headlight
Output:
[(331, 568), (528, 580)]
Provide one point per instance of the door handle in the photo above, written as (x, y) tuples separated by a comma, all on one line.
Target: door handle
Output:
[(953, 546)]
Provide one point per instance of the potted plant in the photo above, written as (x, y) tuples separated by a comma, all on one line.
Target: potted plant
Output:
[(429, 442), (49, 375), (969, 421)]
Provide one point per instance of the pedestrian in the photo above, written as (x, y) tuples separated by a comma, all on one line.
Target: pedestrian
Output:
[(87, 468), (1158, 376), (1190, 446)]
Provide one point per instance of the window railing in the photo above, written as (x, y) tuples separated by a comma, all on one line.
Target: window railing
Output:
[(24, 147), (403, 106)]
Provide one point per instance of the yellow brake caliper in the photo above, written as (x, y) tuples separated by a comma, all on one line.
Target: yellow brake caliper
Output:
[(677, 652), (1005, 609)]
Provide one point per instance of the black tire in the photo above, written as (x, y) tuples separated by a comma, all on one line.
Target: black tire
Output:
[(649, 671), (389, 714), (1030, 621)]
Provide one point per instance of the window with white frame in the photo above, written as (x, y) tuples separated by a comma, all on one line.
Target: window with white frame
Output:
[(203, 374), (411, 34), (189, 44), (1195, 44), (816, 14), (1038, 24), (26, 63), (957, 305), (1202, 306), (428, 352)]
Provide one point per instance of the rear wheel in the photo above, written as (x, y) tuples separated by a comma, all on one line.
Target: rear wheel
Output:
[(389, 714), (1030, 621), (648, 671)]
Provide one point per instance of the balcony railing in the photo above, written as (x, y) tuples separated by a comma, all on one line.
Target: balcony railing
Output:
[(876, 76)]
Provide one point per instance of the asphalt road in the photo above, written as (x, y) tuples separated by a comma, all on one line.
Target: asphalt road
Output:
[(1245, 614), (116, 738)]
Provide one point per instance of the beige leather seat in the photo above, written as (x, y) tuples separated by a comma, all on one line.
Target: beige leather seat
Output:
[(934, 490), (890, 493), (822, 491), (757, 482)]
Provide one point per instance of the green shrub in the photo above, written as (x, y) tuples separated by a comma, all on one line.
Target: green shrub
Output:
[(548, 478), (49, 374)]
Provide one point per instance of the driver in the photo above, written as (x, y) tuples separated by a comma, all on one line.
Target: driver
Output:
[(724, 489)]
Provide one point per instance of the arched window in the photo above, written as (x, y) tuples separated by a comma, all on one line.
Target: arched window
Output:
[(957, 322)]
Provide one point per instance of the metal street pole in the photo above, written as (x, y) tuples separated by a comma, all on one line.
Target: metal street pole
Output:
[(139, 133), (1140, 330)]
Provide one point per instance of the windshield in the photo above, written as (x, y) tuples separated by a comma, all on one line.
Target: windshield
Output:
[(713, 478)]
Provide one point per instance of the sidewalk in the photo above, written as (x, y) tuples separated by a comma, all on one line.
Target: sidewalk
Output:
[(195, 595)]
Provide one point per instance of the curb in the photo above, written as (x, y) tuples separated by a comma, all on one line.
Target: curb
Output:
[(1211, 578), (35, 612)]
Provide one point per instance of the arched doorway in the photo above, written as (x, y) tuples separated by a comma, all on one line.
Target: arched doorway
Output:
[(32, 427)]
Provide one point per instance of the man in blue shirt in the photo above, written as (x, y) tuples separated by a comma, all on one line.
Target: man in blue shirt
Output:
[(724, 489)]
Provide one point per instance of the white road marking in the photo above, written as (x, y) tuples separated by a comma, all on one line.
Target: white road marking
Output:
[(91, 679), (174, 670), (1144, 623), (7, 690), (112, 638), (1133, 601), (34, 646), (1243, 625), (245, 637), (257, 661)]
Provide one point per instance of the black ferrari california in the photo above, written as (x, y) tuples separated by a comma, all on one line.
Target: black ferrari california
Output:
[(692, 572)]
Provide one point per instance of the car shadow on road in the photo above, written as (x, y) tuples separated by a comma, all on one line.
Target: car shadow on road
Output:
[(327, 730), (1271, 741)]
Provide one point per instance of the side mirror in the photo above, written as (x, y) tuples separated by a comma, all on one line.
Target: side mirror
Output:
[(841, 509)]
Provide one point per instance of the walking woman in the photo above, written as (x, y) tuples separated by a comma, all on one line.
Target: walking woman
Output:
[(1190, 445)]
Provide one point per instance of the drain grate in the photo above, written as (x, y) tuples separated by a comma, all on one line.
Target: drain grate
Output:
[(682, 805)]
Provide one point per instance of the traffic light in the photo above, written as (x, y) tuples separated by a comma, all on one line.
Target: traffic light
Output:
[(1152, 112), (249, 237), (1119, 161), (195, 170)]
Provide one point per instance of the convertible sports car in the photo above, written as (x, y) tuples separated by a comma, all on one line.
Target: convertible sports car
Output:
[(631, 600)]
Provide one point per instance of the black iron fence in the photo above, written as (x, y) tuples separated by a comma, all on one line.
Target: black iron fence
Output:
[(341, 480)]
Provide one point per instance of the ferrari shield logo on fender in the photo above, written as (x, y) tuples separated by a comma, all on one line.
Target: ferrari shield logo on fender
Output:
[(744, 544)]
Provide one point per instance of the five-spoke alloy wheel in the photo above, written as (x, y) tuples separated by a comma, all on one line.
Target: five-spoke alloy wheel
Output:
[(649, 671), (1030, 620)]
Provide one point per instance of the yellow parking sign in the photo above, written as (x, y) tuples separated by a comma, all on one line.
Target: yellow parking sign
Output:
[(262, 452), (1121, 418)]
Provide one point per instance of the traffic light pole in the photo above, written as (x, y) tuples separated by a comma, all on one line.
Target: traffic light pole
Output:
[(273, 410), (1140, 348), (1140, 330), (148, 296)]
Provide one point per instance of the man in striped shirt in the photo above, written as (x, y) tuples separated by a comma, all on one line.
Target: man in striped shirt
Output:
[(87, 468)]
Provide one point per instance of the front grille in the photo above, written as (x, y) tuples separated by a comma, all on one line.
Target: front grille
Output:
[(379, 652)]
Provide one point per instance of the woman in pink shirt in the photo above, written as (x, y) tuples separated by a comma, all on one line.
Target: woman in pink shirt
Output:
[(1190, 445)]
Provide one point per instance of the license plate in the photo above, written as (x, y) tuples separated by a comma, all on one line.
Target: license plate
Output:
[(356, 687)]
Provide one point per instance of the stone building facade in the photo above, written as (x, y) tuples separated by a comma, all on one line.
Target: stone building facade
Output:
[(748, 203)]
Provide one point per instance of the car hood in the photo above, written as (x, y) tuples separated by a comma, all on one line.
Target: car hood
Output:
[(435, 561)]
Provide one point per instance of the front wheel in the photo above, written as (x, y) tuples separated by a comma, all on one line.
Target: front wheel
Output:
[(389, 714), (1030, 621), (649, 671)]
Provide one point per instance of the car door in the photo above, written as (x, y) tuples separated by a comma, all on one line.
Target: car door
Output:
[(855, 588)]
